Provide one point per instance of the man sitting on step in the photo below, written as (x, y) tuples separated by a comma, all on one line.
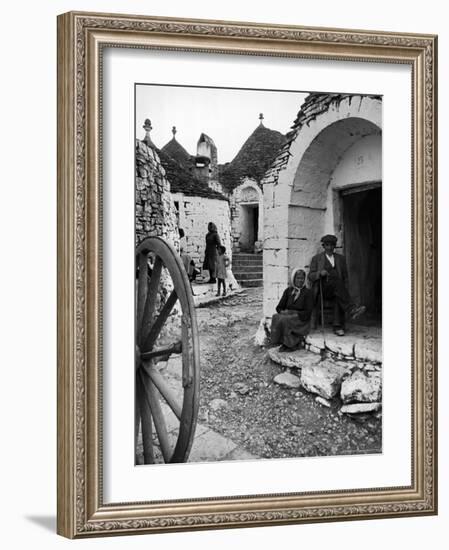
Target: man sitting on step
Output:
[(329, 270)]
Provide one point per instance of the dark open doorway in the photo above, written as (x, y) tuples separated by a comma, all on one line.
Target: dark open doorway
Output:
[(255, 219), (362, 230), (249, 227)]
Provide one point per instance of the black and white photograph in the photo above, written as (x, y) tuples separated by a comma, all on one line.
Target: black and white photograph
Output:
[(258, 229)]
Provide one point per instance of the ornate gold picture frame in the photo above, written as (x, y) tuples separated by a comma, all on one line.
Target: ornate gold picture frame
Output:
[(82, 509)]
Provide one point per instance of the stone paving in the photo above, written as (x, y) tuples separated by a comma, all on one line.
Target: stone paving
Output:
[(208, 445), (204, 294)]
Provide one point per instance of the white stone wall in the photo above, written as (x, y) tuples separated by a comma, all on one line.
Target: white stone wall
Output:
[(194, 215), (360, 166), (275, 251), (361, 163)]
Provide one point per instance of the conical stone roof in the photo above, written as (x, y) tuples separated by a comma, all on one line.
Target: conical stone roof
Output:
[(177, 152), (181, 181), (254, 157)]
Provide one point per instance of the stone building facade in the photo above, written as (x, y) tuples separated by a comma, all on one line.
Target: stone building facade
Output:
[(241, 181), (155, 212), (230, 195), (190, 185), (193, 215), (327, 178)]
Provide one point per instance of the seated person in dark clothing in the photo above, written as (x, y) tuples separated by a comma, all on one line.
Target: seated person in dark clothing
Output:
[(330, 268), (291, 323)]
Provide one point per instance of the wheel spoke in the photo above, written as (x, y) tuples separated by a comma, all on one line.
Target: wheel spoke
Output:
[(150, 303), (164, 389), (171, 403), (142, 287), (167, 351), (147, 429), (149, 341), (152, 399), (136, 418), (187, 352)]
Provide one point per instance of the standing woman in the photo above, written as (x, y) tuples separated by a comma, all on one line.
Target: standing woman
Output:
[(210, 255)]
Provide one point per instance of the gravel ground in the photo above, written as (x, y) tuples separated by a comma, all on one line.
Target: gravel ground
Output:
[(266, 419)]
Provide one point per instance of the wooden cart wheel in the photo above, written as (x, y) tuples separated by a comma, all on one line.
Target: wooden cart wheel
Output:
[(167, 354)]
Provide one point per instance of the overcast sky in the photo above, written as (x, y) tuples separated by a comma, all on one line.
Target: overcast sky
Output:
[(228, 116)]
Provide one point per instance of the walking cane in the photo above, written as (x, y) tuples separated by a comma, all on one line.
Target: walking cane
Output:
[(322, 311)]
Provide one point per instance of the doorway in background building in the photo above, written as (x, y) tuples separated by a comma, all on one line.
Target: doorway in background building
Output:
[(249, 227), (362, 234)]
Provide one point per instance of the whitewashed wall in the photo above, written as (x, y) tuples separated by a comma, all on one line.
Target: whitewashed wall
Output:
[(194, 215), (360, 165)]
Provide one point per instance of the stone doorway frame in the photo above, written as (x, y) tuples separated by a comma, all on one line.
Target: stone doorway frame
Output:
[(340, 226), (248, 221), (247, 195)]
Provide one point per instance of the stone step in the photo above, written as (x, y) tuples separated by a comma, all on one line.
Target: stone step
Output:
[(248, 269), (246, 266), (247, 283), (254, 260), (241, 275), (246, 256), (246, 263)]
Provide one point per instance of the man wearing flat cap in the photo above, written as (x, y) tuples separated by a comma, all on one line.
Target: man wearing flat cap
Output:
[(330, 268)]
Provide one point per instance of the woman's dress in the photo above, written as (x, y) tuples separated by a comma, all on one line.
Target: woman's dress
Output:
[(210, 254), (292, 321)]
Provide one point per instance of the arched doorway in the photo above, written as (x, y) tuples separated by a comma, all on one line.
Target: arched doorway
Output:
[(248, 218), (337, 189), (333, 135)]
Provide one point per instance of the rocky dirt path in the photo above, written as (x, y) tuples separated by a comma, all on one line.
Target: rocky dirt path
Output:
[(240, 401)]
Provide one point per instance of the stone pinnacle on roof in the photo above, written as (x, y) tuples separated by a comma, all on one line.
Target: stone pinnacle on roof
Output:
[(261, 119), (148, 127), (173, 130)]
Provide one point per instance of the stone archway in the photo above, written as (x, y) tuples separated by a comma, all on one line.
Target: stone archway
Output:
[(336, 144), (327, 167)]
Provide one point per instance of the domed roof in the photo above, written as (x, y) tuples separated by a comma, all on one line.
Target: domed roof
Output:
[(177, 152), (181, 181), (254, 157)]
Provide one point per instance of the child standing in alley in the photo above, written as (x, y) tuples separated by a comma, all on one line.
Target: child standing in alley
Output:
[(221, 266)]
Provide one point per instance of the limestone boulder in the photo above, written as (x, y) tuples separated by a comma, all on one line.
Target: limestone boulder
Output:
[(292, 359), (361, 408), (340, 345), (323, 401), (323, 378), (362, 387), (315, 341), (288, 380), (369, 349)]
